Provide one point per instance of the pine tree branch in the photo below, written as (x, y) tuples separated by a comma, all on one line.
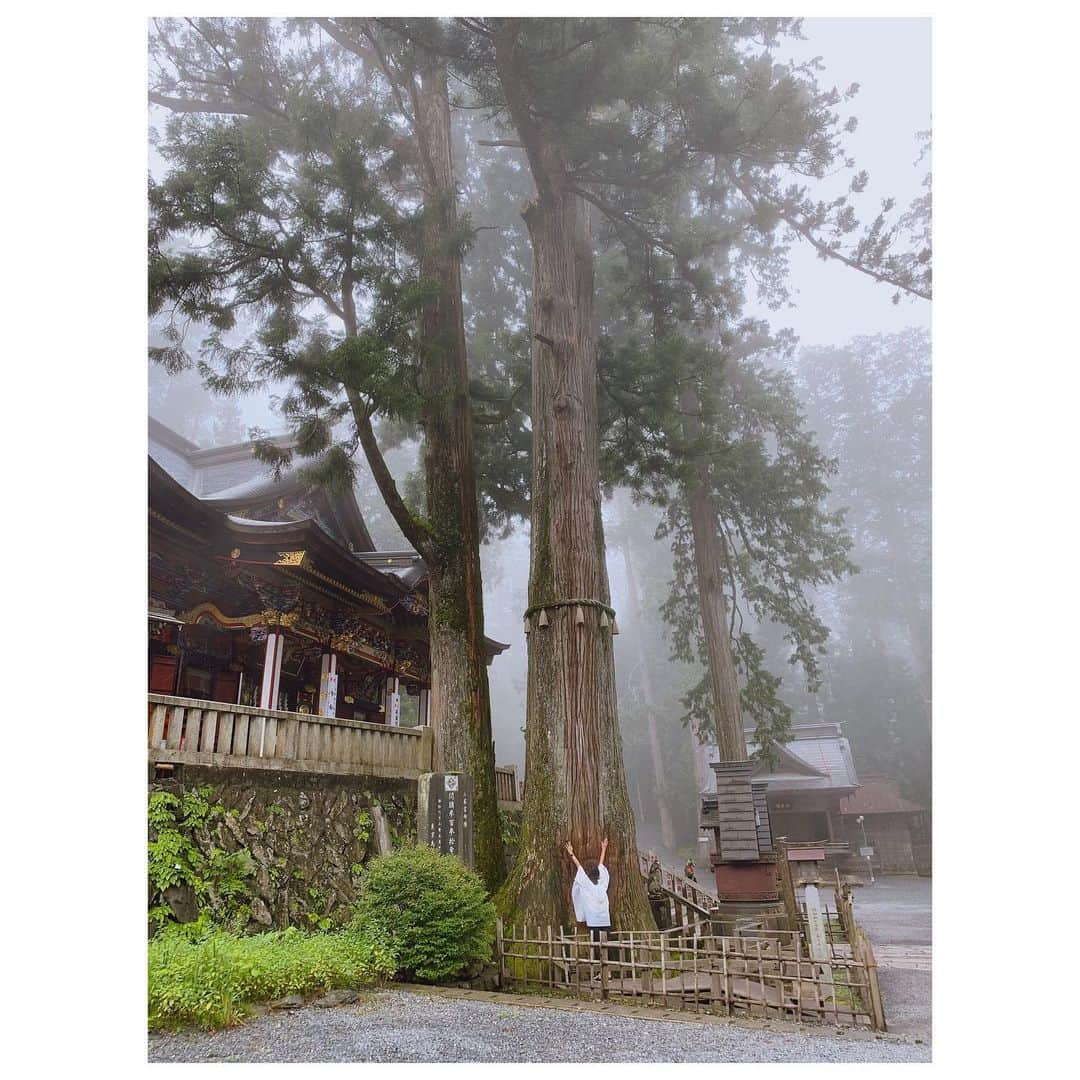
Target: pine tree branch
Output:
[(615, 214), (505, 38), (818, 244), (505, 412), (342, 38), (193, 105), (413, 530), (375, 53)]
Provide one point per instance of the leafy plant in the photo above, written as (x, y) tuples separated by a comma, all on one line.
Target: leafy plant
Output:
[(199, 974), (510, 827), (219, 879), (362, 832), (434, 911)]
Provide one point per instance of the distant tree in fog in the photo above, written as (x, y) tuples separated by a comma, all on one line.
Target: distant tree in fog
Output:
[(869, 405)]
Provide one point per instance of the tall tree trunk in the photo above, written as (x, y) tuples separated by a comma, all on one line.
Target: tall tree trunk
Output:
[(916, 618), (460, 700), (667, 829), (576, 782), (709, 565)]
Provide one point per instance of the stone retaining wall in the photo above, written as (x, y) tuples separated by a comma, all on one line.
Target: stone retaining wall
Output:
[(308, 836)]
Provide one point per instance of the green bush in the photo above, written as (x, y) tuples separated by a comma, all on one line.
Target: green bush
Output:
[(202, 975), (432, 908)]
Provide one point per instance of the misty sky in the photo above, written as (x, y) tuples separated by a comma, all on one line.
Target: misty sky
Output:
[(890, 60)]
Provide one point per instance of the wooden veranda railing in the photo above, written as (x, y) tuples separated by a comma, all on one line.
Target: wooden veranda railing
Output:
[(187, 731), (506, 787), (767, 974)]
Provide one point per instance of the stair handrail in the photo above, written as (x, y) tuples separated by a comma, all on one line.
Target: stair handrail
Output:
[(680, 887)]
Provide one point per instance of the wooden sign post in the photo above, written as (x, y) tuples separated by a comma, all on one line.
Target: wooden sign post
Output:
[(815, 922)]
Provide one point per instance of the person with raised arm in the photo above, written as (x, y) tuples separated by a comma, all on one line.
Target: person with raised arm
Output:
[(589, 892)]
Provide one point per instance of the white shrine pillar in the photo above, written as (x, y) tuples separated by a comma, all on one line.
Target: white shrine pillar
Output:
[(271, 679), (328, 685), (392, 702)]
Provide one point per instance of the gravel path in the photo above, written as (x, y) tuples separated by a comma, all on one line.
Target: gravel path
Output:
[(396, 1025), (895, 912)]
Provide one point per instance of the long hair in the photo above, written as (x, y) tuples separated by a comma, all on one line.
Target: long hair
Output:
[(592, 870)]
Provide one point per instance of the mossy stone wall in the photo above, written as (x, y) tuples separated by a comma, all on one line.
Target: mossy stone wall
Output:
[(308, 836)]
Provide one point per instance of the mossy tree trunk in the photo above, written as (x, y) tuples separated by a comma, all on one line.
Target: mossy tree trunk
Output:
[(460, 699), (667, 827), (450, 539), (710, 567), (575, 780)]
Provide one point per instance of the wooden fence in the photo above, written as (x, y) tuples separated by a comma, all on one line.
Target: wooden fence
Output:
[(767, 973), (847, 939), (186, 731), (862, 951)]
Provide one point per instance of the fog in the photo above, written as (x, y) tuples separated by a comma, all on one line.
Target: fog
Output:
[(851, 335)]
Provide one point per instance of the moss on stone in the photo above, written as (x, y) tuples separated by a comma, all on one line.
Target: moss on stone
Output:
[(298, 831)]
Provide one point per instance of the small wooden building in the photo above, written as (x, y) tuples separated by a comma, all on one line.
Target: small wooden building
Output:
[(808, 783), (894, 826)]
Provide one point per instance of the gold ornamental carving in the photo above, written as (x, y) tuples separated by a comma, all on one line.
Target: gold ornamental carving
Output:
[(290, 558)]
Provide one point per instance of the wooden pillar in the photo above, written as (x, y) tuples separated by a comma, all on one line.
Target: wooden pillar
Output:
[(277, 669), (424, 710)]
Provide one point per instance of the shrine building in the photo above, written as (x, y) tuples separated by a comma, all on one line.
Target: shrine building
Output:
[(806, 786), (268, 596)]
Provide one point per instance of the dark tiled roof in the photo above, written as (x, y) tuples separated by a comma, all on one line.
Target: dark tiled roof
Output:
[(407, 566), (234, 479), (816, 757), (829, 754), (878, 795)]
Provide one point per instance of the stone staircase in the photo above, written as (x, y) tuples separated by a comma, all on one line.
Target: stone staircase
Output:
[(682, 892)]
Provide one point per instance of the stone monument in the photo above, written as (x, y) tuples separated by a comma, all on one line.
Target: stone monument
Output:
[(444, 814)]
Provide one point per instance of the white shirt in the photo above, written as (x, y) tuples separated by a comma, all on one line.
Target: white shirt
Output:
[(590, 901)]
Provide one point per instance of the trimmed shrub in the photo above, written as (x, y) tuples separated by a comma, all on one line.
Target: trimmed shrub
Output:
[(202, 975), (434, 911)]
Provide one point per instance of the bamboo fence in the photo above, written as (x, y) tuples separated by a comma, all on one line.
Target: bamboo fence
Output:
[(764, 973)]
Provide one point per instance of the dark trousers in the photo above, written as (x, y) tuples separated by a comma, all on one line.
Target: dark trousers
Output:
[(596, 931), (660, 912)]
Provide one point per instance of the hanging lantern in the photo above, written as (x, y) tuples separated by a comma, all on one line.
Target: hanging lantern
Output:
[(543, 617), (579, 616)]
